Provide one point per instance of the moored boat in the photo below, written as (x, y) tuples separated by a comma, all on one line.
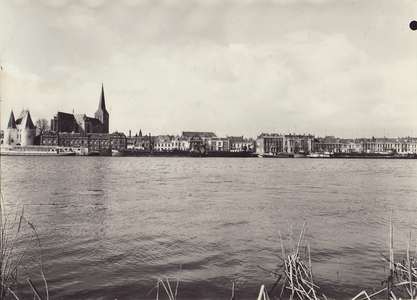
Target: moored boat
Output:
[(276, 155), (36, 151), (320, 155), (117, 153), (300, 155), (385, 154)]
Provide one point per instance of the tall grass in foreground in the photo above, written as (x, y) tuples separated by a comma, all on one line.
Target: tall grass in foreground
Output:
[(403, 274), (296, 269), (167, 287), (298, 276), (21, 251)]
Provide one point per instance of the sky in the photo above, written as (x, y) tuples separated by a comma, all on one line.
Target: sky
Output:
[(243, 67)]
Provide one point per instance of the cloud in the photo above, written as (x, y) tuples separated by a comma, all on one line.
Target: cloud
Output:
[(229, 67), (12, 70)]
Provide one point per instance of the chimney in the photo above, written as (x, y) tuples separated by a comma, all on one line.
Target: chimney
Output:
[(130, 133)]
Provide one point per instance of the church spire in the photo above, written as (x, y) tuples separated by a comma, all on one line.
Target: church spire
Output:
[(101, 114), (102, 104), (12, 121)]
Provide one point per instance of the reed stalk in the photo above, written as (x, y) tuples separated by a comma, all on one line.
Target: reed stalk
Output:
[(167, 287), (391, 255), (296, 268), (403, 273), (14, 257)]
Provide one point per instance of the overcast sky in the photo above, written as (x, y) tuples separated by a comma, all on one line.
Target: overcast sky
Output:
[(342, 68)]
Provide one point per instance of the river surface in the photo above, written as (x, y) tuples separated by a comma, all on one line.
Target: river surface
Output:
[(111, 226)]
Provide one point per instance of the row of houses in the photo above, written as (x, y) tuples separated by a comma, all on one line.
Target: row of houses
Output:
[(293, 143), (92, 134), (188, 141), (208, 142), (22, 131), (405, 145), (191, 141)]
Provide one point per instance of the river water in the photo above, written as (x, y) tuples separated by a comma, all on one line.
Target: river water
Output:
[(111, 226)]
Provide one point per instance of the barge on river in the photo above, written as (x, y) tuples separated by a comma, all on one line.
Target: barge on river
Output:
[(276, 155), (375, 155), (36, 151)]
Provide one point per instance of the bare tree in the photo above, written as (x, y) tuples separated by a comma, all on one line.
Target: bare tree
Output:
[(42, 125)]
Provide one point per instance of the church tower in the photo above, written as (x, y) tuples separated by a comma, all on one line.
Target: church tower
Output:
[(102, 114)]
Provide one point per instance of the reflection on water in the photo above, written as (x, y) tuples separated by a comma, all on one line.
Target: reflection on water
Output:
[(110, 227)]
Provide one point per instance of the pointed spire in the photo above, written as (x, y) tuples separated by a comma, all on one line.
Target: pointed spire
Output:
[(140, 132), (102, 104), (29, 124), (12, 121)]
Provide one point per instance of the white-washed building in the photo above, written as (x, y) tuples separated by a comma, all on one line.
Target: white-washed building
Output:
[(21, 131)]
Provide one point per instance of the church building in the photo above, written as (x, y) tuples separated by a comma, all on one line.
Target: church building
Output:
[(80, 123)]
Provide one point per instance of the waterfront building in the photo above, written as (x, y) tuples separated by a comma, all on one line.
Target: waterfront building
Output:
[(294, 143), (270, 143), (86, 143), (21, 131), (218, 144), (370, 145), (240, 144), (81, 123), (409, 145), (140, 142), (206, 135), (184, 144), (198, 141), (401, 146), (167, 143), (175, 143), (329, 144), (406, 145)]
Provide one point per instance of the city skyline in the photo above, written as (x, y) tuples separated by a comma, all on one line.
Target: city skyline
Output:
[(236, 68)]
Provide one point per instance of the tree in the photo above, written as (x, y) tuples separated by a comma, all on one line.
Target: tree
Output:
[(42, 125)]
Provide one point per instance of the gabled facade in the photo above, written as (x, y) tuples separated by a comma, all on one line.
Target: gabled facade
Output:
[(167, 143), (197, 140), (21, 131), (140, 142)]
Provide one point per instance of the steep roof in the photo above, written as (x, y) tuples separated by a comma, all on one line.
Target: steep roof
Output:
[(102, 103), (29, 124), (25, 121), (65, 116), (236, 139), (197, 133), (12, 122)]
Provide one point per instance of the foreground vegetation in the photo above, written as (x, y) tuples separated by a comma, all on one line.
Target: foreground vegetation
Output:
[(21, 256), (21, 252)]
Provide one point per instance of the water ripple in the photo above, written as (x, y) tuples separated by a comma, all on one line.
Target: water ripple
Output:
[(111, 227)]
